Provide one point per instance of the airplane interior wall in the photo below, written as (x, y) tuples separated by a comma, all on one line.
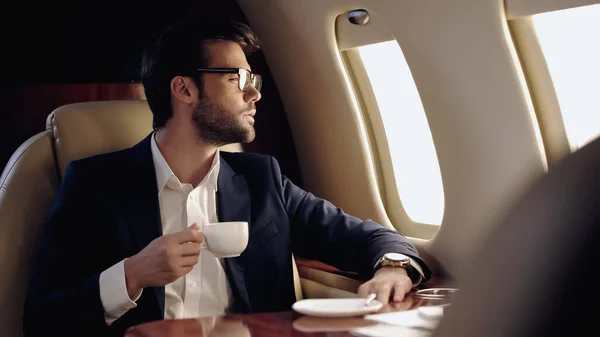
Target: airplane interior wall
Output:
[(470, 82)]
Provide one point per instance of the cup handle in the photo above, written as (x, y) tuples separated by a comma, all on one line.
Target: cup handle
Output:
[(203, 243)]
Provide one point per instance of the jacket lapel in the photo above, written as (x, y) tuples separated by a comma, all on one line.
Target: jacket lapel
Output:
[(233, 204), (141, 204)]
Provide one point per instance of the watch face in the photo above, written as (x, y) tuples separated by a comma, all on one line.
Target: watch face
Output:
[(396, 257)]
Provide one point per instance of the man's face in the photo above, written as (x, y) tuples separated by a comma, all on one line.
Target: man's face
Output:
[(224, 114)]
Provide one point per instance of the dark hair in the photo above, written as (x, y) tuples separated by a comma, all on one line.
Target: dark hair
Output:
[(179, 50)]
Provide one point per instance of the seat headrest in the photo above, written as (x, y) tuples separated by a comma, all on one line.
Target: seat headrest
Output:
[(85, 129)]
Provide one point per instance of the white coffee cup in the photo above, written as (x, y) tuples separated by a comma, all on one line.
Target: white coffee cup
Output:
[(226, 239)]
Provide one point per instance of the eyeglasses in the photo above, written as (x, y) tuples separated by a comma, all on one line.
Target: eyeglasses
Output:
[(245, 76)]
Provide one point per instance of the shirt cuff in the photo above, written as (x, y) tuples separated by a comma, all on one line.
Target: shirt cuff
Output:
[(113, 293), (416, 267)]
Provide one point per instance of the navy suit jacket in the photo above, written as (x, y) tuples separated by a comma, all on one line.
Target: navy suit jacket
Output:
[(107, 209)]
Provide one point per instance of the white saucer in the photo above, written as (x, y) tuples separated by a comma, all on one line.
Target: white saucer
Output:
[(336, 307)]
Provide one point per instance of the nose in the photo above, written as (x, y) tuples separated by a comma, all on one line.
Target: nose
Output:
[(252, 95)]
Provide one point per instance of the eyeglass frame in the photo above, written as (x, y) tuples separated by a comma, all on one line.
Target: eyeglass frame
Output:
[(237, 71)]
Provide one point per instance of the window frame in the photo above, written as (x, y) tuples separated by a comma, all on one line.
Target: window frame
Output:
[(380, 148), (539, 80)]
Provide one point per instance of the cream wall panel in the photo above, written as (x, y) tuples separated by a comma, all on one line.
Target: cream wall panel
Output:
[(542, 90), (302, 54), (462, 60)]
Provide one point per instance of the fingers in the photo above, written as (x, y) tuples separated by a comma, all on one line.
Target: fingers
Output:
[(399, 291), (363, 290), (383, 293), (200, 236), (189, 261), (189, 249), (191, 234), (386, 289)]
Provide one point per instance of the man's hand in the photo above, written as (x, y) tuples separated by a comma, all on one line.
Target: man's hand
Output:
[(386, 282), (164, 260)]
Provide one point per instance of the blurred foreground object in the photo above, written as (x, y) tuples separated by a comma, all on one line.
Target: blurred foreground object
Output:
[(540, 266)]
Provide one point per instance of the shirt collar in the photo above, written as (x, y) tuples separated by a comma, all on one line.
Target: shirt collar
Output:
[(164, 172)]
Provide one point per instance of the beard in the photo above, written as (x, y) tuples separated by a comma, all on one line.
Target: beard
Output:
[(216, 125)]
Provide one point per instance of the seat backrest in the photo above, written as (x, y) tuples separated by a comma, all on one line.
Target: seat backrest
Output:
[(31, 179), (84, 129), (28, 186)]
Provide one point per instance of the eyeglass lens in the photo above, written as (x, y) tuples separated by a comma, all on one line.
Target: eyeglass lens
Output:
[(246, 77)]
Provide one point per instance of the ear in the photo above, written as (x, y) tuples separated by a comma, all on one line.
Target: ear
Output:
[(182, 89)]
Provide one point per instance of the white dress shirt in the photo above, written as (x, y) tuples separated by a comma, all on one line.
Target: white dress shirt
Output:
[(205, 290)]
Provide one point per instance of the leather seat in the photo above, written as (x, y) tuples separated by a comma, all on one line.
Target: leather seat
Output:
[(32, 176)]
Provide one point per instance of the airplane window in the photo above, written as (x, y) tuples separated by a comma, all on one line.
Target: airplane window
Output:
[(569, 40), (414, 158)]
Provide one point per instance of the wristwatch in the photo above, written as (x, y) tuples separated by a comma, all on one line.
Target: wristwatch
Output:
[(393, 260)]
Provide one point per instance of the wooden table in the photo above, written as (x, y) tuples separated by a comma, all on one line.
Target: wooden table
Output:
[(288, 323)]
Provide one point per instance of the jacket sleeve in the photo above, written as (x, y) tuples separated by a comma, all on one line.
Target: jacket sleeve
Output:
[(322, 231), (63, 296)]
